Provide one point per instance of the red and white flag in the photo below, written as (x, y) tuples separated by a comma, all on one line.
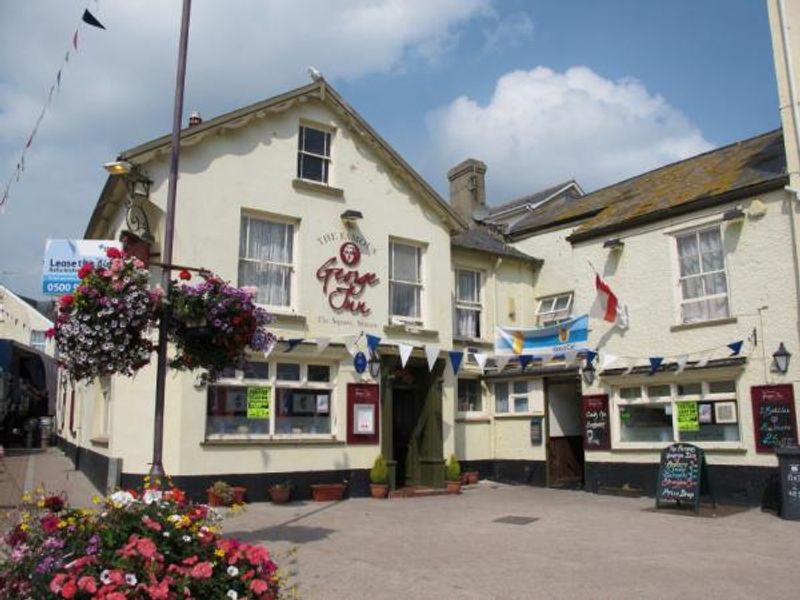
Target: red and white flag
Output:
[(607, 306)]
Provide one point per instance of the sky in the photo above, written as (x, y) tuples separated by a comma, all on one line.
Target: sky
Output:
[(541, 91)]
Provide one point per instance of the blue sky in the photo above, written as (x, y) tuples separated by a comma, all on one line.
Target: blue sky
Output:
[(541, 91)]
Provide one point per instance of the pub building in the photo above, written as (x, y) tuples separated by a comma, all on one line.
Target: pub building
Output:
[(475, 321)]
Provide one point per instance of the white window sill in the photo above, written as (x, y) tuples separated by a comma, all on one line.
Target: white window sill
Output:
[(285, 317), (316, 186), (408, 328), (470, 341), (472, 417), (711, 323), (519, 415), (659, 446), (275, 440)]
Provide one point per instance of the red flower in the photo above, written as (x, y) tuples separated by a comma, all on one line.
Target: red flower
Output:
[(185, 275), (50, 333), (113, 253), (87, 584), (201, 570), (259, 586), (49, 524), (57, 582), (146, 548), (69, 589), (54, 503), (115, 596), (85, 270), (66, 300)]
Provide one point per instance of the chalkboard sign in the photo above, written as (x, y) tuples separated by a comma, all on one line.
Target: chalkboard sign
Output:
[(596, 423), (680, 475), (774, 418), (789, 465)]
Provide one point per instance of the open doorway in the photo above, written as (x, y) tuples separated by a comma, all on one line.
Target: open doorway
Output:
[(564, 442)]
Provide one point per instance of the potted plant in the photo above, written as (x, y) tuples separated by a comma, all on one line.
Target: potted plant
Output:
[(222, 493), (470, 477), (328, 492), (379, 478), (452, 474), (280, 492)]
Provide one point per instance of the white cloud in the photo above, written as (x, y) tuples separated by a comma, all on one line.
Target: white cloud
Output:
[(509, 32), (541, 127), (117, 89)]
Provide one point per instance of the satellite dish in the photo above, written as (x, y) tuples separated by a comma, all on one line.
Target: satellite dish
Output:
[(480, 213)]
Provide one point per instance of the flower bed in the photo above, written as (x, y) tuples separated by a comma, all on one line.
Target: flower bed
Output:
[(154, 545), (103, 327)]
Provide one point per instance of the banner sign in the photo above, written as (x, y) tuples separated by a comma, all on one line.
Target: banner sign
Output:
[(258, 402), (568, 335), (64, 258), (688, 416)]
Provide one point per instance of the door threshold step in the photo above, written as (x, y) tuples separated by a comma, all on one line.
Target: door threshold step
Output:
[(417, 491)]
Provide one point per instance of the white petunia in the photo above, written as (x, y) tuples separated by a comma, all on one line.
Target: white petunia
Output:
[(105, 578), (233, 571), (187, 538), (151, 496), (122, 498), (130, 579), (165, 534), (232, 594)]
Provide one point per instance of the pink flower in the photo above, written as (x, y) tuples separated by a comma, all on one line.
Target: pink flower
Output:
[(87, 584), (115, 596), (192, 560), (138, 264), (151, 524), (117, 265), (201, 570), (85, 270), (256, 554), (160, 590), (57, 582), (259, 586), (49, 524), (69, 589)]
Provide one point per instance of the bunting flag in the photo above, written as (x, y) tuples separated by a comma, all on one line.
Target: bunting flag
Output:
[(372, 342), (431, 353), (607, 359), (268, 350), (501, 360), (655, 363), (322, 344), (405, 353), (89, 19), (630, 366), (570, 357), (702, 362), (590, 356), (351, 343), (480, 358), (524, 361), (292, 344), (736, 347), (681, 360), (455, 360)]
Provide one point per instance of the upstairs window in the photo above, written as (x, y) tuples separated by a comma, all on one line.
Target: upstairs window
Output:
[(405, 280), (313, 154), (468, 304), (38, 340), (703, 282), (554, 309), (265, 259)]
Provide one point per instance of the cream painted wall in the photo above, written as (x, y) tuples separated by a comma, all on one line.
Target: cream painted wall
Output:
[(18, 319)]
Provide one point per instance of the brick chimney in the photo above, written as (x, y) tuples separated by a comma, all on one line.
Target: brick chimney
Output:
[(468, 187)]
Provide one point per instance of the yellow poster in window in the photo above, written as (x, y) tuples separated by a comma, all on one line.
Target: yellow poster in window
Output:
[(258, 402), (688, 417)]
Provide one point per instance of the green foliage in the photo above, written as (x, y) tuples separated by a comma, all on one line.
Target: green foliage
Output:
[(379, 473), (453, 469)]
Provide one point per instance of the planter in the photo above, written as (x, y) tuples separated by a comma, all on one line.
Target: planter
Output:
[(238, 497), (327, 492), (453, 487), (214, 500), (471, 477), (280, 493), (379, 490), (239, 494)]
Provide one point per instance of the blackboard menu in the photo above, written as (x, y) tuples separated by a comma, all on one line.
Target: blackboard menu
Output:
[(789, 461), (774, 420), (596, 422), (679, 474)]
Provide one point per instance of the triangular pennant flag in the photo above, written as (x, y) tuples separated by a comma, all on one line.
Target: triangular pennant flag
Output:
[(682, 360), (455, 360), (631, 364), (480, 358), (322, 344), (91, 20), (350, 344), (75, 40), (702, 362), (268, 350), (372, 342), (570, 357), (655, 363), (431, 352), (607, 359), (501, 361), (292, 342), (405, 353), (524, 360), (590, 356), (736, 347)]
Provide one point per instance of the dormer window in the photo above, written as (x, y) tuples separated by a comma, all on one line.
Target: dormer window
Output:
[(313, 154)]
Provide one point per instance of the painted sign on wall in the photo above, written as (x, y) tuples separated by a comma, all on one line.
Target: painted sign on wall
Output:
[(64, 258), (343, 284)]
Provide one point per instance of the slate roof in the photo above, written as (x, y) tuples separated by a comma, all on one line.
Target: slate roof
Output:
[(532, 199), (482, 239), (741, 169)]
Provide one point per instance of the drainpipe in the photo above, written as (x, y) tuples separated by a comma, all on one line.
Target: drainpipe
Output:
[(493, 430), (787, 61)]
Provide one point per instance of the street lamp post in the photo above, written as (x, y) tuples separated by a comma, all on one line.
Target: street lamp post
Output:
[(157, 467)]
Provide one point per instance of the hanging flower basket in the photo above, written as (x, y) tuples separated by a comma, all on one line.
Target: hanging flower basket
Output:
[(103, 328), (213, 324)]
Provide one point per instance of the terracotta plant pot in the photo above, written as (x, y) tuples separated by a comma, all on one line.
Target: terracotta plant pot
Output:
[(239, 494), (453, 487), (280, 493), (327, 492), (214, 500), (238, 497), (379, 490), (472, 477)]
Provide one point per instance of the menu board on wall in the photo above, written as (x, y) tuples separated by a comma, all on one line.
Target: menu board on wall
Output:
[(596, 422), (679, 475), (774, 420)]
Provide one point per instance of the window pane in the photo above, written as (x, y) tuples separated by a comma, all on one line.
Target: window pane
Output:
[(319, 373), (501, 397), (689, 389), (694, 312), (630, 392), (692, 287), (721, 387), (711, 250), (288, 372), (467, 286), (658, 391), (688, 254), (520, 404), (520, 387), (718, 308), (546, 305), (405, 299), (469, 395), (715, 283), (467, 323), (269, 241), (562, 302), (313, 168), (302, 411), (315, 141), (405, 263), (272, 282), (227, 412), (645, 423), (256, 370)]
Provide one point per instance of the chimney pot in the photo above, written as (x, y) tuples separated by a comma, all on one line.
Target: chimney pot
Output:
[(195, 118)]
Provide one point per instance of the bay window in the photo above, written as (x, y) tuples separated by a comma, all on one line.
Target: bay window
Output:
[(266, 251), (703, 281)]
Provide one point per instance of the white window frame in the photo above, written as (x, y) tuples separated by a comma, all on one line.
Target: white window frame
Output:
[(292, 227), (274, 383), (41, 343), (420, 288), (469, 305), (546, 313), (535, 391), (481, 396), (681, 301), (302, 152), (645, 400)]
